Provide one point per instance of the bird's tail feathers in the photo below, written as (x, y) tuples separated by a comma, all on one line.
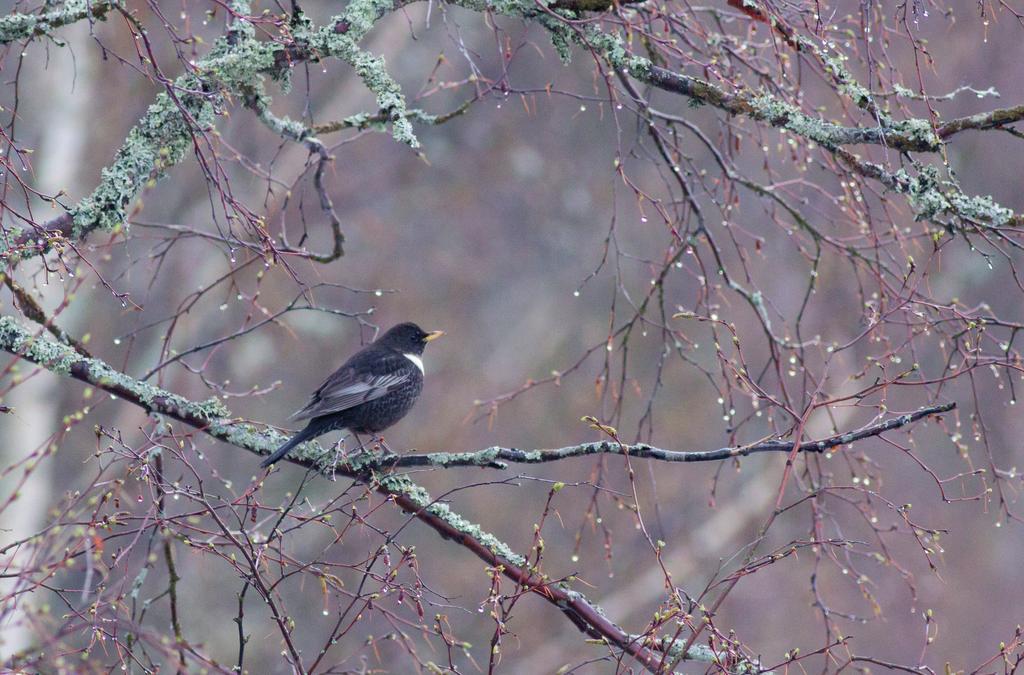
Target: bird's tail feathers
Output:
[(301, 437), (302, 413)]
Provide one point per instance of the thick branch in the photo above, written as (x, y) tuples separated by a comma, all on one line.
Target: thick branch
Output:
[(211, 418), (238, 66), (17, 26)]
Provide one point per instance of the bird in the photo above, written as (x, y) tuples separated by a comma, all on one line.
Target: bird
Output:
[(370, 392)]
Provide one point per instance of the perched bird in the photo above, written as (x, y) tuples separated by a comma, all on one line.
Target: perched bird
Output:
[(371, 391)]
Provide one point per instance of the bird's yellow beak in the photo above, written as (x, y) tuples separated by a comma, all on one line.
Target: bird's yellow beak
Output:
[(433, 335)]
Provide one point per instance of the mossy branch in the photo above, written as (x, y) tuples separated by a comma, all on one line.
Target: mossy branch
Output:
[(930, 197), (213, 419), (17, 26), (238, 64), (926, 197)]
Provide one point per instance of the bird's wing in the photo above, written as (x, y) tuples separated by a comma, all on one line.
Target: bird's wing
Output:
[(351, 385)]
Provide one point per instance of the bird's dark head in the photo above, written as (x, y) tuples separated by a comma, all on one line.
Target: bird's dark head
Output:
[(407, 338)]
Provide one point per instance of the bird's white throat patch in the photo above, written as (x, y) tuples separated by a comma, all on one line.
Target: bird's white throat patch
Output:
[(417, 360)]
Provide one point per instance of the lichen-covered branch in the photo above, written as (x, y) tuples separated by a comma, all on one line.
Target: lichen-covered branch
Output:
[(913, 134), (495, 456), (929, 198), (238, 64), (364, 121), (16, 26), (63, 359), (213, 419), (159, 141)]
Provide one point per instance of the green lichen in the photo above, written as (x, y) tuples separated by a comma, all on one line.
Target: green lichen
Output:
[(238, 62), (8, 252), (930, 197), (282, 126), (17, 26), (673, 648), (785, 115), (521, 8), (917, 132), (59, 358), (399, 484), (236, 65), (639, 67), (900, 90), (38, 349), (152, 397), (492, 543), (17, 244), (287, 127), (847, 85), (610, 46), (364, 121), (481, 458), (159, 141), (359, 17), (613, 49), (562, 42), (246, 435), (980, 209)]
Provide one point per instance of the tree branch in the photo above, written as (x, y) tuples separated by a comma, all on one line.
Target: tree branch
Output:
[(495, 456), (591, 5), (213, 419), (987, 120), (238, 63), (16, 26)]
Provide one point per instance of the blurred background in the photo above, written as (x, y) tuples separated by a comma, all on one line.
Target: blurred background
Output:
[(492, 234)]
